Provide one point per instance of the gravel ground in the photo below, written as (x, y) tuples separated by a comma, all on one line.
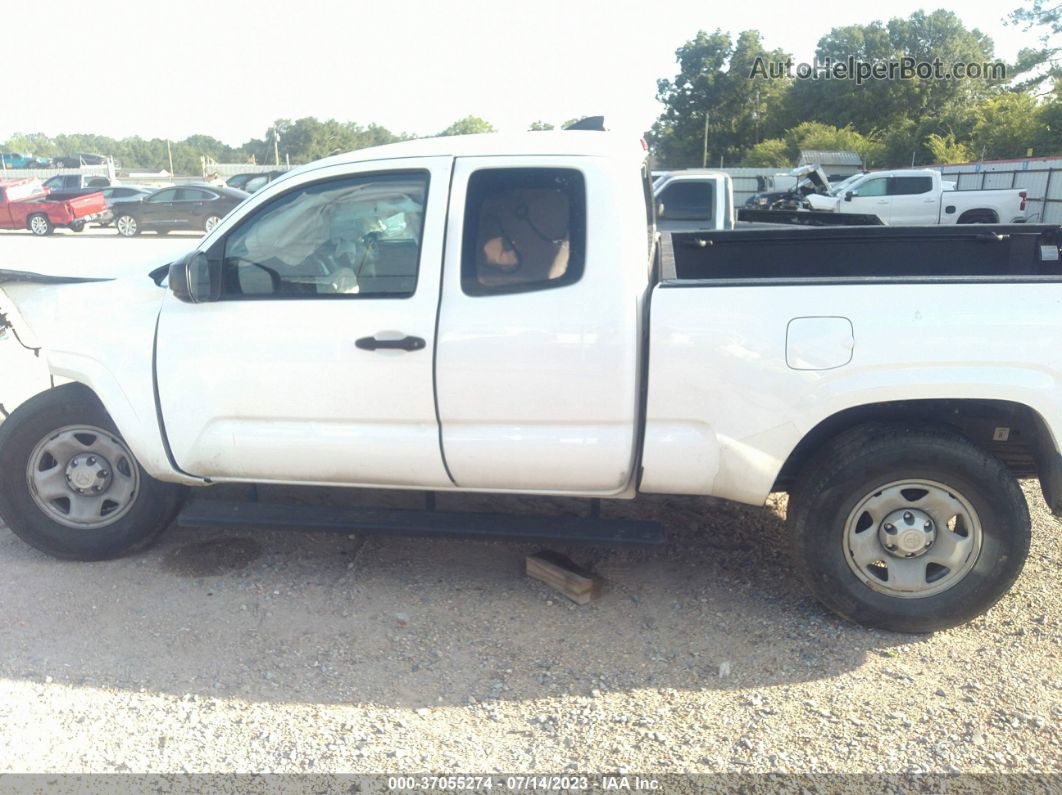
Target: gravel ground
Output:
[(239, 651)]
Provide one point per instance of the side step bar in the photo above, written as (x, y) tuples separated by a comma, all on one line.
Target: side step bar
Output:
[(443, 524)]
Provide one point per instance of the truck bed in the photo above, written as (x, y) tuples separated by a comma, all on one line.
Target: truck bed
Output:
[(974, 251)]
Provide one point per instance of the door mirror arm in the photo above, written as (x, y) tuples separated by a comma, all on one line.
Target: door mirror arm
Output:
[(848, 196)]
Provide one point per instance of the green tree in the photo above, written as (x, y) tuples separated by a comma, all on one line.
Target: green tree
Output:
[(538, 126), (785, 150), (1008, 126), (715, 83), (945, 149), (1042, 66), (883, 104), (308, 138), (469, 125), (772, 153)]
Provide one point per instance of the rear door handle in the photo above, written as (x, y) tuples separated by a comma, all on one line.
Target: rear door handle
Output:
[(403, 344)]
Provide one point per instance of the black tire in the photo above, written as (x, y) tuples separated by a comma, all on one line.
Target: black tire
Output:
[(978, 217), (77, 226), (40, 224), (210, 222), (866, 459), (152, 507)]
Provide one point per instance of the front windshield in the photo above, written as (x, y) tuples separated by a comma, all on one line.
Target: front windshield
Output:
[(841, 187)]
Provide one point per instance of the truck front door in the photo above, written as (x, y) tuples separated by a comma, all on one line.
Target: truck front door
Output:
[(870, 197), (315, 366)]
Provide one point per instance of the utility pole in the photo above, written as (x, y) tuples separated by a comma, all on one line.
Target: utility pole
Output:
[(704, 160), (276, 145), (169, 152)]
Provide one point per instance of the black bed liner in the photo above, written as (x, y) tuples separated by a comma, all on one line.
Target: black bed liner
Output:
[(973, 251)]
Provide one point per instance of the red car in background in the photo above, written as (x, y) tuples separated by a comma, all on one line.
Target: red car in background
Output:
[(24, 204)]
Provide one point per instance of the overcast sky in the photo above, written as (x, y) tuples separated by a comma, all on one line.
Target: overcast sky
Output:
[(228, 69)]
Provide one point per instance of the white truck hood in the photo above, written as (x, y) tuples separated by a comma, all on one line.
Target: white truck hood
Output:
[(820, 202)]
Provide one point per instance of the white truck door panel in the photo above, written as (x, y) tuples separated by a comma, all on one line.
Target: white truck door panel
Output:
[(537, 388), (870, 197), (268, 385), (913, 200)]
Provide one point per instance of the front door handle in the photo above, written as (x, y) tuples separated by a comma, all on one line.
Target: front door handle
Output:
[(403, 344)]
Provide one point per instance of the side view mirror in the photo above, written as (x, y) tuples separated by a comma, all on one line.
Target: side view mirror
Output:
[(195, 279), (660, 210), (848, 196)]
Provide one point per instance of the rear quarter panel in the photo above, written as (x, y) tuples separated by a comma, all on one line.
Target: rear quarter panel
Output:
[(725, 408)]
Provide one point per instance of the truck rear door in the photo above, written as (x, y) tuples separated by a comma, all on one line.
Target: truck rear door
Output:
[(913, 201), (537, 361), (315, 366)]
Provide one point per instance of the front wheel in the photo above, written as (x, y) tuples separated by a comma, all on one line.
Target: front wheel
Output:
[(40, 225), (907, 529), (127, 226), (70, 486)]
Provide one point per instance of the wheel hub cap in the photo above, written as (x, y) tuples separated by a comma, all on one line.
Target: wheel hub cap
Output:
[(82, 476), (88, 474), (907, 533), (912, 538)]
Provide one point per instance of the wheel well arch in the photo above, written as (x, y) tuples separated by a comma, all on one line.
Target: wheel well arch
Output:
[(973, 216), (1012, 432)]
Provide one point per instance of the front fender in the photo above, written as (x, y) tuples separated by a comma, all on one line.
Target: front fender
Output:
[(100, 333)]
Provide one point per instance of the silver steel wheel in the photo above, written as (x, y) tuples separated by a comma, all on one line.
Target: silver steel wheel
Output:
[(82, 476), (912, 538), (211, 222), (39, 225), (126, 226)]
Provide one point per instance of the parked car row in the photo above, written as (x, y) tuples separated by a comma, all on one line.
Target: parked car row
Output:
[(19, 160)]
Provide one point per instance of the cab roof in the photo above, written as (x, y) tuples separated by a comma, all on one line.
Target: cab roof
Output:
[(558, 143)]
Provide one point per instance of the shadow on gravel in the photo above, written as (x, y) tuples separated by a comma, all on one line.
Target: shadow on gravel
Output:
[(316, 618)]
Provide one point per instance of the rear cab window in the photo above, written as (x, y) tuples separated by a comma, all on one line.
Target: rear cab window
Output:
[(910, 186), (524, 229), (689, 200)]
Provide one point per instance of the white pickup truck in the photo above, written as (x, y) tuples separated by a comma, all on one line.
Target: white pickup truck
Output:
[(498, 314), (920, 196), (694, 200)]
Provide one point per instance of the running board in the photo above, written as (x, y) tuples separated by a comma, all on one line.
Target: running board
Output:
[(442, 524)]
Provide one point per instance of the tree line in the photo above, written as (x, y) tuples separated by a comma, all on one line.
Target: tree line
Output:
[(287, 140), (724, 107)]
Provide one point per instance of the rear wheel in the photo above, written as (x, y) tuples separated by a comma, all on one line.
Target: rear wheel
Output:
[(210, 222), (127, 226), (77, 226), (40, 225), (70, 486), (907, 529)]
